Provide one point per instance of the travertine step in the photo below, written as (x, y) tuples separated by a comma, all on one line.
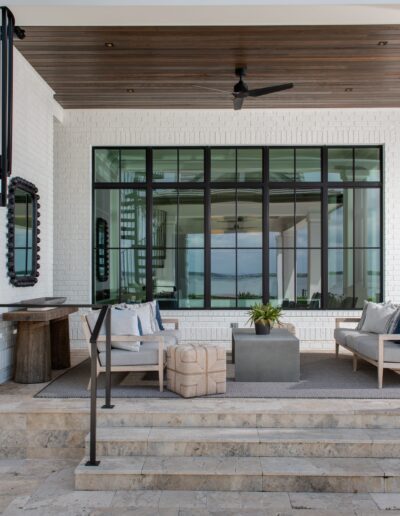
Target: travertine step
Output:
[(288, 474), (247, 442)]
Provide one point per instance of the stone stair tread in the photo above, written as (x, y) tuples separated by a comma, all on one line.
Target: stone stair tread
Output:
[(253, 435), (232, 466)]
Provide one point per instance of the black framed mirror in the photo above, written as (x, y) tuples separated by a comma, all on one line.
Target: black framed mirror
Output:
[(102, 262), (23, 233)]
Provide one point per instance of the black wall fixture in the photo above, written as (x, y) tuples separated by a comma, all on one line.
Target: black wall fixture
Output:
[(8, 29), (23, 233), (102, 261)]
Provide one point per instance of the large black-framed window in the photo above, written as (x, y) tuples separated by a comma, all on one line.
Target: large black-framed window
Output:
[(224, 227)]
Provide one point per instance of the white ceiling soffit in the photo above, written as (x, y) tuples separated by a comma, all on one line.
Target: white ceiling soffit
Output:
[(203, 12)]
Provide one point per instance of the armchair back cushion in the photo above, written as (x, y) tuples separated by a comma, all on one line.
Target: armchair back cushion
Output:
[(378, 317), (123, 322)]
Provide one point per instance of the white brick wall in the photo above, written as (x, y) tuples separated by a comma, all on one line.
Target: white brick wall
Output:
[(83, 129), (34, 108)]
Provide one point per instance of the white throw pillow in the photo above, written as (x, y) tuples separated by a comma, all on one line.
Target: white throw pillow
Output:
[(147, 315), (377, 317), (123, 322)]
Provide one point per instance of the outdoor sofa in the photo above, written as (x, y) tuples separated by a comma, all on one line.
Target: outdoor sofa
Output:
[(149, 353), (382, 350)]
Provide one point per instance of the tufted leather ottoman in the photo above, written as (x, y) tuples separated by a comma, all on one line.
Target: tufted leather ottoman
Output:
[(196, 370)]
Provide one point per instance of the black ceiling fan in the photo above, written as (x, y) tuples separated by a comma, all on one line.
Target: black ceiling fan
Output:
[(241, 90)]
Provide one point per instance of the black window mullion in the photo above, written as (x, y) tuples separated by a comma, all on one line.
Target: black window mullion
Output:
[(149, 225), (207, 228), (265, 225), (324, 230)]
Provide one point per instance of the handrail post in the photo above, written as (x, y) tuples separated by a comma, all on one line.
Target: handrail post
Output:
[(107, 401), (93, 388)]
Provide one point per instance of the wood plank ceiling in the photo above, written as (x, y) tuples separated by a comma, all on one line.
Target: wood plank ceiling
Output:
[(162, 67)]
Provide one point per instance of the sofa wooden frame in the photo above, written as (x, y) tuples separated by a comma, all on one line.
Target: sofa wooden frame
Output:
[(131, 338), (380, 363)]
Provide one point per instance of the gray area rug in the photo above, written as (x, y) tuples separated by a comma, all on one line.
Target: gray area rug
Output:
[(322, 376)]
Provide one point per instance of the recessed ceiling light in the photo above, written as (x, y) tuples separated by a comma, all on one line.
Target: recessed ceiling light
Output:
[(348, 89), (382, 43), (109, 44), (130, 90)]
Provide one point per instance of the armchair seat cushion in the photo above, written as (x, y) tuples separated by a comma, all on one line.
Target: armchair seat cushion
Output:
[(341, 334), (367, 345), (147, 355)]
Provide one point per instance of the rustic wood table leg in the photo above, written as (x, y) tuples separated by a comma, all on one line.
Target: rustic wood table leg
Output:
[(33, 361), (60, 350)]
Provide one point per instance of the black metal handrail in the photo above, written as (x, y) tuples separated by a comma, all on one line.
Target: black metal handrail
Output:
[(104, 316)]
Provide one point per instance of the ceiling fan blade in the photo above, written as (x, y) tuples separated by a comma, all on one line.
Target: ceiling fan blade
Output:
[(211, 89), (237, 102), (269, 89)]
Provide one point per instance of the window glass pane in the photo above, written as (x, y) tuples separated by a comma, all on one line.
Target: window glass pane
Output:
[(223, 164), (367, 276), (340, 164), (249, 218), (133, 218), (164, 278), (367, 217), (308, 218), (367, 164), (308, 164), (223, 278), (107, 208), (282, 277), (340, 279), (281, 164), (249, 164), (308, 278), (191, 218), (281, 218), (133, 165), (165, 165), (340, 217), (108, 291), (133, 275), (249, 277), (191, 278), (223, 218), (165, 209), (191, 165), (106, 165)]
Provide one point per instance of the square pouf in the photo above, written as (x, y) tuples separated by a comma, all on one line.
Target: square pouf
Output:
[(196, 370)]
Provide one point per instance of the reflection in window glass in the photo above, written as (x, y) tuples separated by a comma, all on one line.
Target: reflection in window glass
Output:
[(191, 218), (107, 208), (223, 164), (308, 278), (133, 165), (191, 165), (133, 275), (281, 218), (281, 164), (164, 278), (367, 278), (165, 165), (341, 279), (367, 164), (308, 218), (249, 218), (249, 277), (340, 164), (109, 291), (367, 216), (282, 277), (106, 165), (191, 278), (223, 278), (133, 218), (340, 217), (308, 164), (249, 164), (165, 211), (223, 218)]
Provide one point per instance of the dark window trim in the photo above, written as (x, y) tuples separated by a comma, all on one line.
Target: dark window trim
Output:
[(266, 186)]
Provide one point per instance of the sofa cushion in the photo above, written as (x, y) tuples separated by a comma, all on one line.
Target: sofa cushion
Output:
[(367, 344), (147, 355), (341, 334), (378, 317), (123, 322), (171, 337)]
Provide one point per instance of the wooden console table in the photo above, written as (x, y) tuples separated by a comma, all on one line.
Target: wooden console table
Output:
[(42, 343)]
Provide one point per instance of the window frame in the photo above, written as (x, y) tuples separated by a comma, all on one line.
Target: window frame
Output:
[(266, 186)]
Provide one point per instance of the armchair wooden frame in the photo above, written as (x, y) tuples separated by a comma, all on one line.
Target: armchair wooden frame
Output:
[(380, 363)]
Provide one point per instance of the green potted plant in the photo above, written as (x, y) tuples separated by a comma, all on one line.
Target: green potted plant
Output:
[(263, 317)]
